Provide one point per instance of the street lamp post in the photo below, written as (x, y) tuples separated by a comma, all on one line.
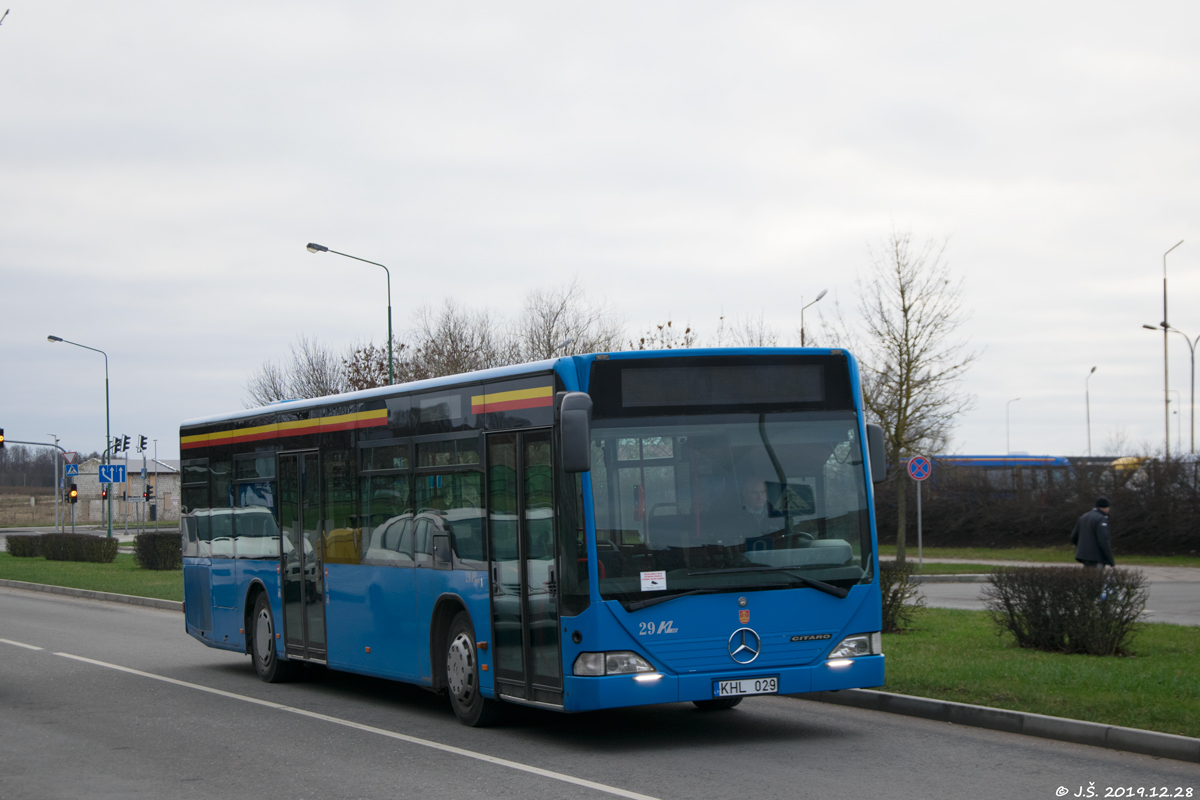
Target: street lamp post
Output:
[(57, 482), (1008, 426), (320, 248), (814, 302), (1087, 397), (107, 418), (1166, 381), (1191, 343)]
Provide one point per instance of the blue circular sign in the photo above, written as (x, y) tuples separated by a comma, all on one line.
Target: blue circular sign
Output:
[(919, 468)]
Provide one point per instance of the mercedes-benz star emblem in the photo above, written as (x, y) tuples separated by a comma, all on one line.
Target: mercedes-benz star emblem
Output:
[(744, 645)]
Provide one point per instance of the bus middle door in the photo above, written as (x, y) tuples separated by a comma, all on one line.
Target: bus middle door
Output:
[(302, 570)]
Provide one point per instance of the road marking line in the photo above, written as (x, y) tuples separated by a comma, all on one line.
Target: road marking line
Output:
[(503, 762), (19, 644)]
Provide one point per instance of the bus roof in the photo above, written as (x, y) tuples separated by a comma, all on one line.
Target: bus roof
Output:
[(564, 363)]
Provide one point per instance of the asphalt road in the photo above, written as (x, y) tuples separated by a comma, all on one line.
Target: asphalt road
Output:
[(1173, 601), (193, 722)]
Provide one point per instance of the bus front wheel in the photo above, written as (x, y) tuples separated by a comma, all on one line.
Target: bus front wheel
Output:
[(262, 645), (462, 676)]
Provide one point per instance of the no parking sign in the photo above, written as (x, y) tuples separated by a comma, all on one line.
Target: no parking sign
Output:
[(919, 468)]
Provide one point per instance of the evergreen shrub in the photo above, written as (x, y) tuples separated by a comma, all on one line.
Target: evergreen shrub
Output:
[(79, 547), (158, 551), (24, 546)]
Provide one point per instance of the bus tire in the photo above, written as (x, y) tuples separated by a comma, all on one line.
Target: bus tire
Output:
[(262, 645), (462, 676), (717, 705)]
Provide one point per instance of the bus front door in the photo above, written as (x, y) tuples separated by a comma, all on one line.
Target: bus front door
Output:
[(302, 570), (527, 659)]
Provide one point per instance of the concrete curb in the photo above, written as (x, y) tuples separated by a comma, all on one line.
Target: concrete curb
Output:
[(1133, 740), (108, 597)]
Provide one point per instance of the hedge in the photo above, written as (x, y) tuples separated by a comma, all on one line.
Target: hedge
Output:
[(1068, 609), (24, 546), (78, 547), (158, 551)]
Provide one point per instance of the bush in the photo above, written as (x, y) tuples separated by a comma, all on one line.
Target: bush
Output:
[(79, 547), (901, 595), (24, 546), (158, 551), (1068, 609)]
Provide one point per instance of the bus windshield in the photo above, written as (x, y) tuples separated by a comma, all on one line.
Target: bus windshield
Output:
[(729, 502)]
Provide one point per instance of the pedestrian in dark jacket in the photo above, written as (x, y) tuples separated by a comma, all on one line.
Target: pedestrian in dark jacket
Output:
[(1093, 544)]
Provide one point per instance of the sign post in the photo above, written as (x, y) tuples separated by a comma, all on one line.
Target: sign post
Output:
[(919, 468)]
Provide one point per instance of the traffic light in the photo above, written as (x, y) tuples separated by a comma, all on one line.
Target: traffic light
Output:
[(125, 444), (141, 444), (146, 493), (73, 493), (149, 492), (104, 493), (1, 438)]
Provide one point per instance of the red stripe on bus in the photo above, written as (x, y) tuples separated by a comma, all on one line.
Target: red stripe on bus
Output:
[(512, 405)]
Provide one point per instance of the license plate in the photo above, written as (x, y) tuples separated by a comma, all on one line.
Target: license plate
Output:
[(745, 686)]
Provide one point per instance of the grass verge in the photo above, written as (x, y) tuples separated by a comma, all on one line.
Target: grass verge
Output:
[(953, 569), (122, 576), (1064, 555), (957, 655)]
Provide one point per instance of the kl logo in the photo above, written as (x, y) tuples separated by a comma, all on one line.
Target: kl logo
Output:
[(744, 616)]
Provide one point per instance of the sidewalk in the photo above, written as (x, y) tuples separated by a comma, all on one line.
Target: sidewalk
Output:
[(1153, 574)]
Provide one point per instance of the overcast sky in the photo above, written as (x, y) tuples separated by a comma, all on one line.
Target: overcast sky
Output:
[(162, 166)]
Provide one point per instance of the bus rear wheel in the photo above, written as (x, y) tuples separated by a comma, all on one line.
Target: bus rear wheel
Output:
[(262, 645), (718, 704), (462, 676)]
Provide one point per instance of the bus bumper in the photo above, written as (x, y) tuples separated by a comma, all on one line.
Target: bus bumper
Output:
[(615, 691)]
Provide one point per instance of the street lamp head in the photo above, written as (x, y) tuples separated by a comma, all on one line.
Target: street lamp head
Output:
[(1093, 370), (53, 338), (822, 294), (316, 248), (1150, 327)]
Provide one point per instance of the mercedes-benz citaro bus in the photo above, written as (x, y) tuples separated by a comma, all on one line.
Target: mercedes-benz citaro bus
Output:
[(581, 533)]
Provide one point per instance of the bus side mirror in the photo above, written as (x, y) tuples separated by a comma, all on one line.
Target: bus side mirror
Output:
[(878, 455), (575, 431)]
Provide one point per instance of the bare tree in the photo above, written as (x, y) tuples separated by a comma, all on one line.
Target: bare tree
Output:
[(747, 331), (452, 340), (665, 337), (561, 321), (910, 310), (314, 370)]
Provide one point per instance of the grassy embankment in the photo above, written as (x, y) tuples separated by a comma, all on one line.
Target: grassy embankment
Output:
[(957, 655), (122, 576), (1046, 555)]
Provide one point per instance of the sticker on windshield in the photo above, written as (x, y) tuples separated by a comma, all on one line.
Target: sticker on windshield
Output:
[(654, 581)]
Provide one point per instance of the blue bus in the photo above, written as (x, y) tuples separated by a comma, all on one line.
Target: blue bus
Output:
[(587, 532)]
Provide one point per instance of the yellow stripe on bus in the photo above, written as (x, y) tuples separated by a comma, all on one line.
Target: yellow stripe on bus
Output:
[(292, 425), (506, 397)]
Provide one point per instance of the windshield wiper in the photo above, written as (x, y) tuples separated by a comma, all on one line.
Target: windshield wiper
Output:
[(827, 588), (653, 601)]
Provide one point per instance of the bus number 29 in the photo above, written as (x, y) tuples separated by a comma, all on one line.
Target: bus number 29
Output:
[(651, 628)]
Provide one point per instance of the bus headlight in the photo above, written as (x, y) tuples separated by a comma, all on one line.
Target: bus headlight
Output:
[(862, 644), (620, 662)]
